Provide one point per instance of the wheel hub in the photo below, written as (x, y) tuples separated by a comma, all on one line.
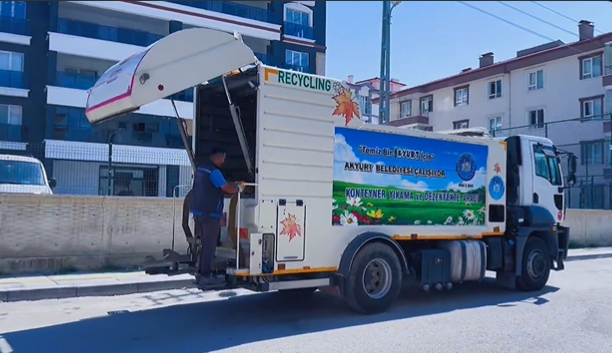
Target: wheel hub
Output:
[(536, 265), (377, 278)]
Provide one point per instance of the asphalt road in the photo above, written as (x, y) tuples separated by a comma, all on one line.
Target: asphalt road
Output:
[(573, 314)]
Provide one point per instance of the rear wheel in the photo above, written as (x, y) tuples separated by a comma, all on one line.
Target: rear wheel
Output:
[(536, 265), (375, 279)]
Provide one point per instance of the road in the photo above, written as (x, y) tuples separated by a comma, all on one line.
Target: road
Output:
[(573, 314)]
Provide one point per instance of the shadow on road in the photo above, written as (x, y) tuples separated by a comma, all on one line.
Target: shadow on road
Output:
[(215, 325)]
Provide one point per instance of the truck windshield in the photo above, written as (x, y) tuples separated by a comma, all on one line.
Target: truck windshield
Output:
[(547, 164), (21, 173)]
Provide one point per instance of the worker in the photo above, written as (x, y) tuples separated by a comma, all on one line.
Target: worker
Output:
[(209, 185)]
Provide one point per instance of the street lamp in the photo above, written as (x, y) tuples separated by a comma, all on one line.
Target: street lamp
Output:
[(385, 62), (110, 161)]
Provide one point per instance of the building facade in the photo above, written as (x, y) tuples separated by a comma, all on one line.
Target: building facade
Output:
[(562, 91), (54, 51), (366, 92)]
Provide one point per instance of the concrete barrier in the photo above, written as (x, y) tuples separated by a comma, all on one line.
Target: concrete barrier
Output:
[(41, 233)]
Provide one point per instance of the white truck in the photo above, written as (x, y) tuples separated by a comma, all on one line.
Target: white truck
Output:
[(341, 205)]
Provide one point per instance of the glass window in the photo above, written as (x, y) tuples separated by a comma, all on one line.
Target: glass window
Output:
[(297, 58), (15, 9), (10, 114), (21, 173), (298, 17), (11, 61), (547, 165)]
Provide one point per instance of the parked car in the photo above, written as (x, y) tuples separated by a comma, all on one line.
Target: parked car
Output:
[(24, 175)]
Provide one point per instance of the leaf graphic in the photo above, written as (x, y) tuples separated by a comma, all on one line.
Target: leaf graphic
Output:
[(346, 106), (291, 227), (496, 168)]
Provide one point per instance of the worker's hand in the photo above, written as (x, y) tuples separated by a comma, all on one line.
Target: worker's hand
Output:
[(240, 185), (190, 240)]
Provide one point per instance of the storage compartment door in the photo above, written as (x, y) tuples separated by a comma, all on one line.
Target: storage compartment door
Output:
[(172, 64), (291, 231)]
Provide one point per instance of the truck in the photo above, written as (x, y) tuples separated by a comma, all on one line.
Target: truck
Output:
[(337, 204)]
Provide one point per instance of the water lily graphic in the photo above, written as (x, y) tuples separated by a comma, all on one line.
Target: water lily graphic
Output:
[(376, 214)]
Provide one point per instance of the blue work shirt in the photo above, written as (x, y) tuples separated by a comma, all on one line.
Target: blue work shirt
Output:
[(207, 193)]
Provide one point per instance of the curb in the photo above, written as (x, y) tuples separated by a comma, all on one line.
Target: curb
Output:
[(29, 294), (15, 295), (603, 255)]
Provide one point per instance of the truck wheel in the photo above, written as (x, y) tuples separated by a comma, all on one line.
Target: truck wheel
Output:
[(375, 279), (536, 266)]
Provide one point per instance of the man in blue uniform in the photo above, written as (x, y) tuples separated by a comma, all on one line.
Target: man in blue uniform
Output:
[(209, 185)]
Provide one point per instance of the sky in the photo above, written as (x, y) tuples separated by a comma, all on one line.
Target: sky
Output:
[(436, 39), (445, 157)]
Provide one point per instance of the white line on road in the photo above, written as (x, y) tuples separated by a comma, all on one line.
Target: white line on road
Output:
[(5, 347)]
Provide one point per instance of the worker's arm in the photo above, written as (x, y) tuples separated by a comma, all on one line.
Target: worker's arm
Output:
[(219, 181)]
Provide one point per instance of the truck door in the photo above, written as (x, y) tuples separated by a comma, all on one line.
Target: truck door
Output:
[(547, 180), (172, 64)]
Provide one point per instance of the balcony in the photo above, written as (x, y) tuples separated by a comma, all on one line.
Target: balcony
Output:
[(416, 118), (230, 8), (13, 79), (14, 25), (72, 80), (11, 133), (304, 69), (111, 34), (121, 137), (298, 30)]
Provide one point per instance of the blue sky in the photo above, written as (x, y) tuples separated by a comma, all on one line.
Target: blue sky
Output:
[(436, 39), (346, 149)]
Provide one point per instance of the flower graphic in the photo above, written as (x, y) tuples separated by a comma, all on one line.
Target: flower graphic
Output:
[(346, 105), (392, 219), (354, 202), (469, 215), (348, 219), (449, 220), (378, 214), (417, 222), (291, 227)]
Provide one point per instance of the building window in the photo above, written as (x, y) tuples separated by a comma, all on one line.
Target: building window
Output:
[(15, 9), (10, 114), (495, 89), (297, 17), (461, 96), (11, 61), (462, 124), (591, 67), (591, 108), (426, 105), (406, 109), (592, 152), (536, 80), (296, 60), (365, 104), (535, 118), (494, 124)]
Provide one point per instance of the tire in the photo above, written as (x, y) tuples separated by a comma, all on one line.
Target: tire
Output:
[(380, 263), (536, 264)]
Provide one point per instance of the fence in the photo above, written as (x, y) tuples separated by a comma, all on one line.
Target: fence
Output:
[(90, 169)]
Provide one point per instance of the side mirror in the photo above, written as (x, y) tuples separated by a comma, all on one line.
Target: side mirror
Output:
[(571, 170), (52, 183)]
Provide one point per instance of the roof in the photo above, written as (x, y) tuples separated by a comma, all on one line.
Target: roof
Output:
[(506, 66), (11, 157)]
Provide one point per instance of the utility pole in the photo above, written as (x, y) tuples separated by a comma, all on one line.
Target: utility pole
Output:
[(385, 62)]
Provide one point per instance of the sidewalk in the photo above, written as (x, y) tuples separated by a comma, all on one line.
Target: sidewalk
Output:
[(120, 283), (84, 285)]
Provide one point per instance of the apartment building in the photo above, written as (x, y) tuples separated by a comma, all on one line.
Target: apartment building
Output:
[(562, 91), (54, 51), (366, 92)]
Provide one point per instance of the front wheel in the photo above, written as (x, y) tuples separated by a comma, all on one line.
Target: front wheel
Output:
[(375, 279), (536, 264)]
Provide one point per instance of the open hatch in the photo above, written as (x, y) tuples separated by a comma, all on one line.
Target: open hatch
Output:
[(225, 98)]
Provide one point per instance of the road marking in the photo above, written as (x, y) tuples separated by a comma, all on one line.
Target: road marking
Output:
[(5, 347)]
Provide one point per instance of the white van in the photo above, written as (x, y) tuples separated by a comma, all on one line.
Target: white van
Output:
[(23, 175)]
